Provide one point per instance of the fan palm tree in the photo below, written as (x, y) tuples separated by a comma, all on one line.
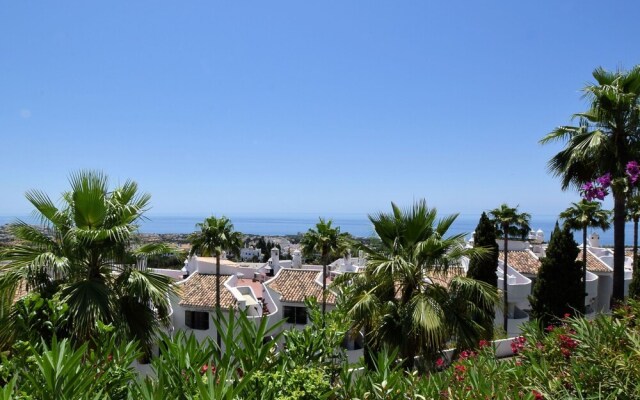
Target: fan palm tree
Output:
[(606, 139), (581, 216), (215, 236), (633, 214), (509, 223), (327, 241), (412, 294), (85, 254)]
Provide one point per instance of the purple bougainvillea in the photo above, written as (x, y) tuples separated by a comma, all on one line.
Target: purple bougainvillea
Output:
[(599, 188)]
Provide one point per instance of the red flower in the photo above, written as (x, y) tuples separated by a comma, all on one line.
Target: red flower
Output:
[(517, 344), (567, 315), (483, 343), (537, 395), (110, 358), (466, 354), (459, 372), (206, 367), (440, 362)]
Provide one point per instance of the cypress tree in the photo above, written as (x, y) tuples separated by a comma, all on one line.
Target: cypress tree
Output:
[(484, 268), (558, 288)]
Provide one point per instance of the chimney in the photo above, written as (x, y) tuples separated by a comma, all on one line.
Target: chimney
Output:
[(297, 259), (275, 258), (594, 240)]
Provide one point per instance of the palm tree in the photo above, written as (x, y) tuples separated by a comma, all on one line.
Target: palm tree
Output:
[(509, 223), (412, 294), (581, 216), (216, 235), (633, 214), (606, 139), (328, 242), (85, 254)]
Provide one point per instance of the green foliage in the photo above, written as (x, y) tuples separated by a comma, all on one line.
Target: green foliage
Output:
[(36, 319), (484, 268), (59, 371), (508, 221), (410, 296), (319, 343), (325, 242), (558, 288), (297, 383), (84, 241), (577, 359), (216, 235), (265, 247), (605, 140)]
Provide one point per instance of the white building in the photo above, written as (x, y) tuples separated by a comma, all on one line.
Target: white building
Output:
[(250, 253)]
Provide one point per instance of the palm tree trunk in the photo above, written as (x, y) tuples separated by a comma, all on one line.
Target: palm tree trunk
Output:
[(324, 290), (635, 244), (218, 338), (618, 247), (504, 281), (584, 264)]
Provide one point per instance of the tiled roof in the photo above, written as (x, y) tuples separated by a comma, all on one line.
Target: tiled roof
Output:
[(522, 261), (444, 278), (21, 291), (199, 290), (594, 264), (295, 285)]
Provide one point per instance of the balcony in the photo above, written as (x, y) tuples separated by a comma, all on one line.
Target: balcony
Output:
[(518, 286)]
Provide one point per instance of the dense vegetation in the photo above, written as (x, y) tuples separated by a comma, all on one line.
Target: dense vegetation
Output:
[(576, 359), (558, 290), (95, 309)]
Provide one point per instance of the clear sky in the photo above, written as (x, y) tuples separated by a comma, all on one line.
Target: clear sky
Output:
[(299, 106)]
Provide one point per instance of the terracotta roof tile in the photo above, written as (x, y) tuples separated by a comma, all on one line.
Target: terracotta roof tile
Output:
[(444, 278), (199, 290), (20, 292), (295, 285), (522, 261), (594, 264)]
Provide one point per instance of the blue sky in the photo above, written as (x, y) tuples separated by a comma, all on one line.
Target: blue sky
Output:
[(289, 107)]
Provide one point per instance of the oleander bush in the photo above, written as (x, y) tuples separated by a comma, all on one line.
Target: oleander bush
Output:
[(575, 359)]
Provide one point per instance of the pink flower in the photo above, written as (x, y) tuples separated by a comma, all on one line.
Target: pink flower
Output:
[(633, 171), (604, 180), (440, 362), (483, 343), (537, 395), (517, 344), (567, 315), (459, 372), (467, 354)]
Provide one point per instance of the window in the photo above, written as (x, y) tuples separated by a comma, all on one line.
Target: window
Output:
[(197, 320), (295, 315)]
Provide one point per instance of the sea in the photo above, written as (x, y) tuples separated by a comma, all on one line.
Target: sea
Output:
[(356, 224)]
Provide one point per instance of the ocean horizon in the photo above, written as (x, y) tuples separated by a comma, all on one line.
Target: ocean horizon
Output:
[(356, 224)]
